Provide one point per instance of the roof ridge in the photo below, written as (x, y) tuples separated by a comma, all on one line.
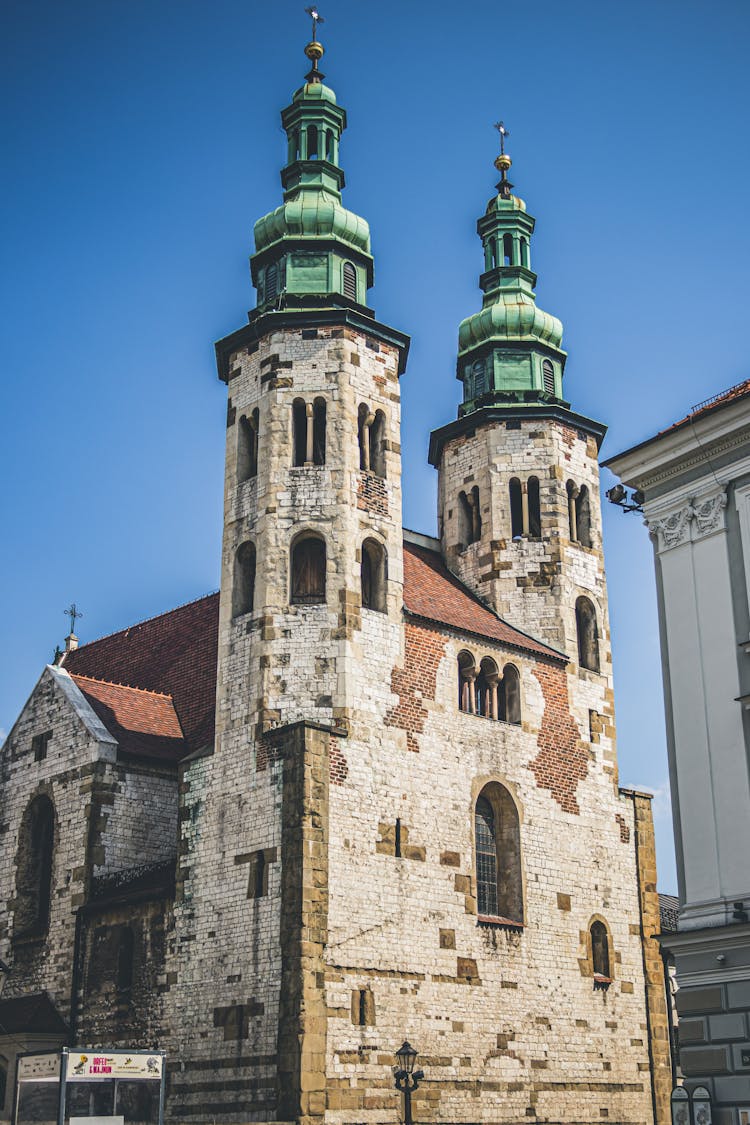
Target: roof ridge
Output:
[(145, 621), (116, 683)]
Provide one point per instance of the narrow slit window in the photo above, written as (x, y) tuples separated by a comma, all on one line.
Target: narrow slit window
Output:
[(535, 512), (243, 594), (319, 431), (516, 508), (377, 444), (588, 635), (397, 844), (299, 432), (600, 951)]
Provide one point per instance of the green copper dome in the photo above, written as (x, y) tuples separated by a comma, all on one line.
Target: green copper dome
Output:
[(311, 252)]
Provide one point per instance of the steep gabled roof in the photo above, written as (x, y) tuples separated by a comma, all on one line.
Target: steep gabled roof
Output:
[(143, 722), (174, 653), (433, 593)]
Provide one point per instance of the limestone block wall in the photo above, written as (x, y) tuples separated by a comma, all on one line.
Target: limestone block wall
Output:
[(138, 819), (67, 775), (508, 1022)]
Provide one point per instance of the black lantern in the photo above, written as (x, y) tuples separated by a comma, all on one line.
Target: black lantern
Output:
[(407, 1078)]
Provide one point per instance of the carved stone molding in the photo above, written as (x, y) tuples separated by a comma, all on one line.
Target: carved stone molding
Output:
[(701, 516)]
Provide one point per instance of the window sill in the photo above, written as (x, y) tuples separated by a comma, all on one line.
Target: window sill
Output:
[(601, 983), (488, 718), (498, 923), (307, 601)]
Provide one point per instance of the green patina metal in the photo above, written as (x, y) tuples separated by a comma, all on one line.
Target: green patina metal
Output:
[(311, 250), (510, 351)]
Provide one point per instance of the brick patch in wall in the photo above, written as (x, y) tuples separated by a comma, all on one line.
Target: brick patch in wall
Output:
[(415, 681), (371, 494), (624, 829), (338, 766), (562, 760)]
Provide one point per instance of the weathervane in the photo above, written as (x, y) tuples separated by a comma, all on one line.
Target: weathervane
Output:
[(500, 126), (503, 162), (73, 612), (316, 18), (314, 50)]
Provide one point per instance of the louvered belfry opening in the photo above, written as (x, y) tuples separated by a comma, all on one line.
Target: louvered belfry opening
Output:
[(548, 376), (350, 281)]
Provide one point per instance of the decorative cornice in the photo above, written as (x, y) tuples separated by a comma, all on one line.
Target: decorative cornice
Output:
[(701, 516)]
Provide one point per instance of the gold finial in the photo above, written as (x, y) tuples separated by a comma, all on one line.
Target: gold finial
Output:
[(314, 50), (503, 162)]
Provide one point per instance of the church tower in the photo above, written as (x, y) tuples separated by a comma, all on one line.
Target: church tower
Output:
[(519, 510)]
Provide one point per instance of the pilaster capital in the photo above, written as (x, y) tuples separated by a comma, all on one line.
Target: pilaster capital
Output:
[(699, 517)]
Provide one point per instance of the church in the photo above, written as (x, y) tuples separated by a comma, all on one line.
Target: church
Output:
[(369, 790)]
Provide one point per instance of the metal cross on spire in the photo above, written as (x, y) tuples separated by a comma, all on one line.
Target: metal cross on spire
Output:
[(500, 126), (73, 612), (316, 18)]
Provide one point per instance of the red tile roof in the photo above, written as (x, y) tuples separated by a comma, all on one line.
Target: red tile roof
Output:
[(143, 722), (154, 684), (432, 592), (174, 653), (710, 404)]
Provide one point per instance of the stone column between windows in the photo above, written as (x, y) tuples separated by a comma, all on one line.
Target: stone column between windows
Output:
[(366, 441), (493, 682), (525, 508), (308, 433)]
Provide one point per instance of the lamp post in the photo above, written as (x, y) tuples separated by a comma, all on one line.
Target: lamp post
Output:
[(407, 1078)]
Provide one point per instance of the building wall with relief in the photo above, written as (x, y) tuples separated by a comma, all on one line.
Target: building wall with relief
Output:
[(695, 478)]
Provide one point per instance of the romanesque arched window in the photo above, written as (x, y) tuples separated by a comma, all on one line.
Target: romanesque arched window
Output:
[(349, 281), (243, 590), (36, 845), (377, 444), (583, 516), (516, 508), (485, 688), (299, 432), (308, 570), (588, 635), (497, 841), (247, 450), (373, 575), (535, 511), (467, 672), (319, 431), (600, 951), (509, 695), (469, 517), (364, 421)]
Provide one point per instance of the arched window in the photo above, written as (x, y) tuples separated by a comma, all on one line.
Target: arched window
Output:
[(350, 281), (516, 508), (507, 249), (600, 951), (308, 571), (583, 517), (467, 671), (243, 590), (588, 635), (377, 444), (486, 688), (272, 282), (36, 845), (464, 520), (299, 432), (509, 696), (329, 145), (374, 576), (319, 431), (535, 511), (548, 377), (247, 452), (497, 838), (312, 142), (125, 958), (525, 252)]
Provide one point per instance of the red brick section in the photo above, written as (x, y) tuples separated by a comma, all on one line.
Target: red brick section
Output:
[(174, 653), (624, 829), (432, 592), (372, 495), (338, 768), (562, 760), (424, 649), (143, 722)]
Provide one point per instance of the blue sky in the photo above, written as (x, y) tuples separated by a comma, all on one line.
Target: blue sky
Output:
[(141, 141)]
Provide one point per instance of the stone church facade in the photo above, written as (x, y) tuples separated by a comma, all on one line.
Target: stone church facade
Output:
[(369, 790)]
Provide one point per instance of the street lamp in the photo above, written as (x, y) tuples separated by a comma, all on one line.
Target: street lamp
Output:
[(407, 1078)]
